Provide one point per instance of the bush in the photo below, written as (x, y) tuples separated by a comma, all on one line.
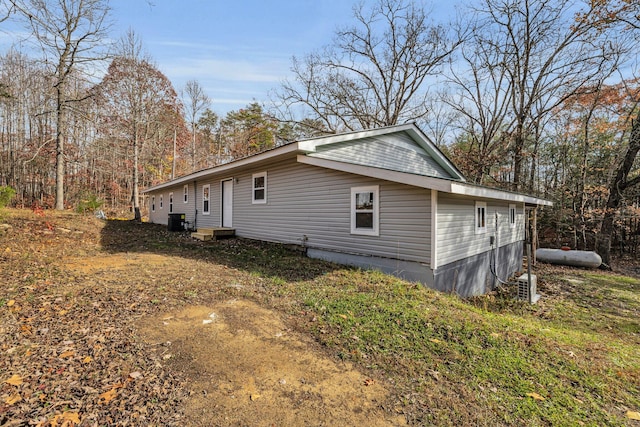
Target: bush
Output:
[(90, 203), (6, 194)]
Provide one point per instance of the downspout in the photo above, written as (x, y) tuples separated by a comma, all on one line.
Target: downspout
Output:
[(195, 201)]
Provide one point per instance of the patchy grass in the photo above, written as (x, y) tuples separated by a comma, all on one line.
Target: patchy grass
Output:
[(571, 359)]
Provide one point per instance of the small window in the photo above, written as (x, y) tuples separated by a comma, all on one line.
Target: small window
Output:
[(259, 187), (185, 194), (481, 217), (364, 210), (512, 216), (205, 200), (153, 203), (170, 202), (161, 201)]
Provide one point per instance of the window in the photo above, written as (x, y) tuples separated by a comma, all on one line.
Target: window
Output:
[(205, 200), (153, 203), (170, 202), (512, 216), (259, 187), (185, 193), (161, 201), (481, 217), (364, 210)]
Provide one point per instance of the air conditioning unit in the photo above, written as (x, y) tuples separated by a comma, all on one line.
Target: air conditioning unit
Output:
[(528, 292)]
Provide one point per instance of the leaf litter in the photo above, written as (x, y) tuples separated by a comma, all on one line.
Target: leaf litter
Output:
[(75, 311)]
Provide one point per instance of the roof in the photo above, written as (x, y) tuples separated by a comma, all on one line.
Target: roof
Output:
[(401, 153)]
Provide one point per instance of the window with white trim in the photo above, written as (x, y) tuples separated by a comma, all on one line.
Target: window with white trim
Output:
[(170, 202), (512, 216), (185, 193), (481, 217), (153, 203), (259, 191), (205, 199), (161, 201), (365, 210)]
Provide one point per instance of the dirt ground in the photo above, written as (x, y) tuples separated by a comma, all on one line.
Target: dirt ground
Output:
[(245, 367)]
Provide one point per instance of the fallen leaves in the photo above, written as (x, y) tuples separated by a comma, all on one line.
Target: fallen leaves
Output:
[(13, 399), (633, 415), (15, 380), (535, 396)]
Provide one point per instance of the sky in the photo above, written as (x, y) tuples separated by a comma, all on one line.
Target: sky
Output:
[(237, 50)]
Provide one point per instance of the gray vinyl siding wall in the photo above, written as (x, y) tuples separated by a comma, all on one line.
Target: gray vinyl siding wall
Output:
[(456, 238), (403, 155), (161, 216), (314, 202)]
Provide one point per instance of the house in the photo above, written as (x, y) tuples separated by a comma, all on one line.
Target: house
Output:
[(384, 198)]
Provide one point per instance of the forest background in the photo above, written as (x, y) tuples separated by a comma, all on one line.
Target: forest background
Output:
[(537, 96)]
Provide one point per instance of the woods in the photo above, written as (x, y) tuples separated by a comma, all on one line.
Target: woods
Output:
[(534, 96)]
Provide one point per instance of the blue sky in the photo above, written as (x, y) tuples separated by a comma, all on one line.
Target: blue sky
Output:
[(237, 50)]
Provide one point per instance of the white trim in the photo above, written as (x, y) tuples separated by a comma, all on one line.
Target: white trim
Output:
[(434, 229), (480, 218), (153, 203), (490, 193), (207, 199), (161, 202), (387, 175), (185, 193), (513, 215), (375, 211), (267, 155), (310, 145), (254, 188), (171, 202)]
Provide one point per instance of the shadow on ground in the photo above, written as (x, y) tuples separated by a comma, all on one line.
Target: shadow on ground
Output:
[(270, 260)]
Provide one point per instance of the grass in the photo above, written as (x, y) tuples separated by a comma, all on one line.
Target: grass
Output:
[(571, 359)]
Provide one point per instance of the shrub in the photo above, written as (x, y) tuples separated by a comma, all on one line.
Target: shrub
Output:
[(90, 203), (6, 194)]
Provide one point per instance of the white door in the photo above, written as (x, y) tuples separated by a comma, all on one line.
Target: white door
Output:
[(227, 203)]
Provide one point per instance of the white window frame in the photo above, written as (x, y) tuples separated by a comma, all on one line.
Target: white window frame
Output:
[(170, 202), (185, 193), (480, 218), (375, 210), (207, 199), (153, 203), (513, 214), (161, 201), (254, 200)]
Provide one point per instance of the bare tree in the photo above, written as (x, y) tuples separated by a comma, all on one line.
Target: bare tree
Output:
[(549, 50), (135, 97), (195, 102), (374, 73), (71, 33)]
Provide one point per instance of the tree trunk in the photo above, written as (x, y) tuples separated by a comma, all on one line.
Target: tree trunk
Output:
[(617, 187), (60, 147), (136, 196)]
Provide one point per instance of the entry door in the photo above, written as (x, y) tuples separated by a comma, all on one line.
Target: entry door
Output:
[(227, 203)]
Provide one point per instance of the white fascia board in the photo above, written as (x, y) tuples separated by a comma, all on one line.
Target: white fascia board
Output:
[(285, 149), (489, 193), (385, 174)]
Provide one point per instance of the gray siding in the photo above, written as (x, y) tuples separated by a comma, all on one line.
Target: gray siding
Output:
[(402, 154), (456, 238), (315, 202), (474, 275), (161, 215)]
